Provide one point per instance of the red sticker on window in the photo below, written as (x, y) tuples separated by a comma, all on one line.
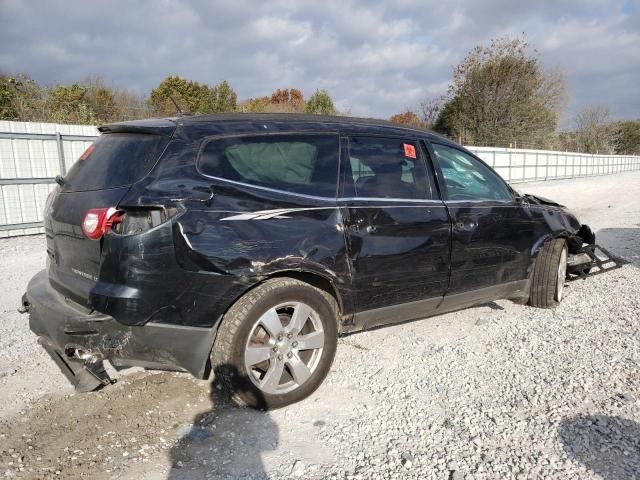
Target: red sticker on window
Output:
[(409, 150), (87, 152)]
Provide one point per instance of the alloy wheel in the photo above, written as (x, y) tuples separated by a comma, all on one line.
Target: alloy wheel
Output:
[(284, 347), (562, 274)]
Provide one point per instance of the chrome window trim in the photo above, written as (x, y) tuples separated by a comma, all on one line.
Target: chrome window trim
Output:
[(315, 197), (385, 199), (505, 202), (268, 189)]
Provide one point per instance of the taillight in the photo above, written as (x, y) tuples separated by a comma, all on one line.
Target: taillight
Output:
[(98, 221)]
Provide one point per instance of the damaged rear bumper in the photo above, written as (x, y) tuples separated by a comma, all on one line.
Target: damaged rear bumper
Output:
[(79, 340)]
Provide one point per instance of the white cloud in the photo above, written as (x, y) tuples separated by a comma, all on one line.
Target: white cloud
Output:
[(375, 57)]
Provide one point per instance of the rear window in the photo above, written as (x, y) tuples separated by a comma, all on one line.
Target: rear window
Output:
[(115, 160), (306, 164)]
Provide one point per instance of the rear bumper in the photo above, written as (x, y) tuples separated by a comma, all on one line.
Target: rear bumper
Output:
[(79, 340)]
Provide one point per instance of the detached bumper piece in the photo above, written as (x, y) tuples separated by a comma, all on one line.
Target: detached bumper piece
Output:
[(592, 260), (86, 375)]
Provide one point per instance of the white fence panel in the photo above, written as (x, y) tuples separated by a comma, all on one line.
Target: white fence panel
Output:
[(519, 165), (32, 154)]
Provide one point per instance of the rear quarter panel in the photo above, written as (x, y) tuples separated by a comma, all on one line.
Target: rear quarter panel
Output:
[(225, 239), (249, 235)]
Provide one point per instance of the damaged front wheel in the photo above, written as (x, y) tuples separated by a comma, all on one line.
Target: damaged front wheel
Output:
[(549, 274)]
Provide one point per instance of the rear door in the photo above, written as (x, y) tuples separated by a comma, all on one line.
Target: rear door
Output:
[(492, 234), (100, 178), (397, 230)]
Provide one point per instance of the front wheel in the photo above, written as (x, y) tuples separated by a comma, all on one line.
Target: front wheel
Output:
[(276, 344), (549, 274)]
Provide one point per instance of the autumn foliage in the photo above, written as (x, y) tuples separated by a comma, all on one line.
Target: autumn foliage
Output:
[(94, 102), (407, 118)]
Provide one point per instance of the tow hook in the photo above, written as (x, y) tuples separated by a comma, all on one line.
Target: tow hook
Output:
[(26, 306)]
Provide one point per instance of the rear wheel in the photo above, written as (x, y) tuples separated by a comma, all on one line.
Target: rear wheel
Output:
[(549, 274), (276, 344)]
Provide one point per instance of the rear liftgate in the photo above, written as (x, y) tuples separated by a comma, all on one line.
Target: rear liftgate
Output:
[(592, 260)]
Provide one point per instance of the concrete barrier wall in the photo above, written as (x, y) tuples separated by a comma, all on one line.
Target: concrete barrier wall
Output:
[(32, 154)]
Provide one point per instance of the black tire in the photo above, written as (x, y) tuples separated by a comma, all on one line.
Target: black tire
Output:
[(544, 279), (227, 356)]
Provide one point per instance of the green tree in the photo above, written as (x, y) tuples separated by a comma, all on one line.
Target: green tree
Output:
[(101, 100), (226, 98), (501, 95), (21, 99), (7, 99), (320, 103), (627, 137), (69, 104), (192, 97), (91, 101), (447, 121)]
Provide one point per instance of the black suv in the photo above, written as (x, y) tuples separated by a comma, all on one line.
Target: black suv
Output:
[(248, 243)]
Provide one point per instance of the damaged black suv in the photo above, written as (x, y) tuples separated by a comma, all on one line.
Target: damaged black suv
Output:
[(246, 244)]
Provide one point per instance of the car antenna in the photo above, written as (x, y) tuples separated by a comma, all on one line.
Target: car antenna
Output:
[(180, 112)]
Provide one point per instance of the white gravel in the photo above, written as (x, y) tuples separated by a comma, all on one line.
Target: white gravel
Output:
[(26, 371), (497, 391)]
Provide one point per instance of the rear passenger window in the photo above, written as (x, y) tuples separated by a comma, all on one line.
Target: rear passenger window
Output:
[(386, 168), (306, 164)]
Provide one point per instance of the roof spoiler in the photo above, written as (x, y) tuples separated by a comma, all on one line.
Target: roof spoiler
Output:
[(153, 127)]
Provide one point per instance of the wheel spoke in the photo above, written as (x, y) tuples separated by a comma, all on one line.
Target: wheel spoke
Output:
[(273, 352), (273, 376), (311, 341), (271, 322), (299, 369), (299, 318), (253, 355)]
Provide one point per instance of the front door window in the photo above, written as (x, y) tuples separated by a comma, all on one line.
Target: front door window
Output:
[(466, 178)]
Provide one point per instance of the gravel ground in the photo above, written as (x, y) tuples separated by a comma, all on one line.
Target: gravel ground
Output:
[(497, 391)]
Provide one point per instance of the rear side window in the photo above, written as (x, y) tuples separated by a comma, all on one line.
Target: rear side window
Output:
[(306, 164), (115, 160), (386, 168)]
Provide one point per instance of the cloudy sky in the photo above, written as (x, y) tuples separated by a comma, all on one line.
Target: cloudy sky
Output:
[(375, 58)]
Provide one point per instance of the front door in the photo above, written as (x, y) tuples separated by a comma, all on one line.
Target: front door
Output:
[(397, 230), (492, 234)]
